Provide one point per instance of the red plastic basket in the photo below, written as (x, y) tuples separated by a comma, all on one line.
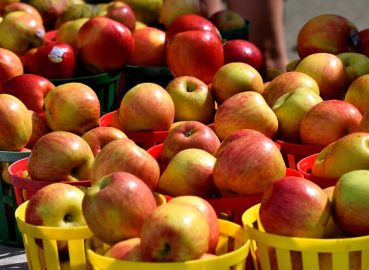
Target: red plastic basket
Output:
[(304, 166), (24, 188), (293, 152), (230, 208)]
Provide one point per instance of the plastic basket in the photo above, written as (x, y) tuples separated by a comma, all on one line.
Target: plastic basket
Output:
[(24, 187), (48, 256), (307, 251), (230, 208), (240, 33), (105, 85), (9, 233), (232, 251), (304, 166), (293, 152)]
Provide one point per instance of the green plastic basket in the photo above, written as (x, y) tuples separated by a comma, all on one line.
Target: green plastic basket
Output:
[(239, 33), (105, 85), (9, 233)]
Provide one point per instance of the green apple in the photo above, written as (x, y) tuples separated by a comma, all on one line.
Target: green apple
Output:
[(146, 11), (357, 64), (290, 108), (350, 203), (189, 172), (358, 93), (346, 154), (193, 100), (67, 32), (233, 78)]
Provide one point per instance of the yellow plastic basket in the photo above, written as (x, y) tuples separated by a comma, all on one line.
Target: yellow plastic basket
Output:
[(337, 254), (48, 257), (232, 251)]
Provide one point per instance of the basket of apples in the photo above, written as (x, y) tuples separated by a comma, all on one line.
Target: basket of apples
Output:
[(299, 225)]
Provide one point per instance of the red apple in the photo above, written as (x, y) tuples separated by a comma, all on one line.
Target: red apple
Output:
[(146, 107), (126, 155), (358, 93), (287, 82), (54, 60), (209, 213), (295, 206), (234, 78), (188, 22), (122, 13), (240, 50), (15, 123), (248, 165), (328, 33), (149, 47), (175, 232), (245, 110), (128, 250), (60, 156), (327, 121), (188, 134), (195, 53), (193, 100), (31, 89), (72, 107), (227, 19), (10, 65), (328, 71), (98, 137), (39, 128), (96, 54), (364, 41), (116, 206)]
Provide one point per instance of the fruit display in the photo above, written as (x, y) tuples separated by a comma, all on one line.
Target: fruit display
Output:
[(155, 133)]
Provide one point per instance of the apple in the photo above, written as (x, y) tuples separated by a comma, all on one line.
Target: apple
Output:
[(127, 249), (189, 172), (290, 108), (26, 32), (358, 93), (364, 122), (240, 50), (227, 19), (331, 229), (68, 31), (122, 13), (125, 155), (4, 3), (363, 41), (98, 137), (188, 134), (210, 214), (193, 100), (80, 10), (146, 107), (10, 65), (95, 53), (356, 64), (72, 107), (350, 204), (39, 128), (327, 33), (15, 123), (188, 22), (116, 206), (233, 78), (346, 154), (295, 206), (328, 71), (56, 205), (150, 48), (171, 9), (60, 156), (328, 121), (20, 6), (287, 82), (53, 60), (31, 89), (247, 165), (174, 232), (245, 110), (196, 53)]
